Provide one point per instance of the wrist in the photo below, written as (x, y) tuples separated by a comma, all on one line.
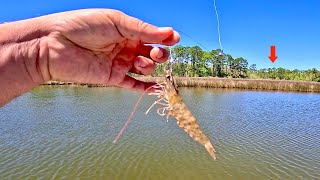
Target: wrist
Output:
[(24, 44), (22, 58)]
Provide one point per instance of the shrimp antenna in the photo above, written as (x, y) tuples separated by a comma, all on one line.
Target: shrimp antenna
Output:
[(131, 115)]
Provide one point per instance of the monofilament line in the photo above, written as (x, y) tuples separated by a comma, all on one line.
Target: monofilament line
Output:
[(171, 60), (192, 39), (218, 23)]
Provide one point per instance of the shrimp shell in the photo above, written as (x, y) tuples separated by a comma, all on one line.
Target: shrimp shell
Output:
[(177, 109)]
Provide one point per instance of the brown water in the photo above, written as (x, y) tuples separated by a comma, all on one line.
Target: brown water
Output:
[(67, 133)]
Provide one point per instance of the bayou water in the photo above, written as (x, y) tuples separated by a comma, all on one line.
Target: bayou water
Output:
[(67, 133)]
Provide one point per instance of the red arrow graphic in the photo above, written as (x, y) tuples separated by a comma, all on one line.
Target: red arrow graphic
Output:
[(273, 56)]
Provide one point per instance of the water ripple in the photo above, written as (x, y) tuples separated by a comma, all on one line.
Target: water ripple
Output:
[(67, 133)]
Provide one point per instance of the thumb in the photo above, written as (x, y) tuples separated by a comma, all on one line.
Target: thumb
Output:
[(135, 29)]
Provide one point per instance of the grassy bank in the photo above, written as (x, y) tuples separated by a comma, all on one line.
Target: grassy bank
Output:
[(254, 84)]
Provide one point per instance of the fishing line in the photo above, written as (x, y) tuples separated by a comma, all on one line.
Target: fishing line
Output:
[(218, 24), (170, 61), (221, 53), (193, 39), (218, 31)]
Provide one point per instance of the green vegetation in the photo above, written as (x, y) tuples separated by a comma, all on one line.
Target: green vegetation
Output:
[(195, 62), (194, 67)]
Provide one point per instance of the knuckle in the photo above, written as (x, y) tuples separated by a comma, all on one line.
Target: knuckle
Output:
[(142, 26)]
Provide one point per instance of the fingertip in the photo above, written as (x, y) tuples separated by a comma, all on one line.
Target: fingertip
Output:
[(173, 39), (165, 29), (159, 54), (162, 35), (177, 36), (144, 65)]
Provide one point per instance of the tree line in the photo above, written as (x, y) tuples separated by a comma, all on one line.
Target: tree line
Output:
[(195, 62)]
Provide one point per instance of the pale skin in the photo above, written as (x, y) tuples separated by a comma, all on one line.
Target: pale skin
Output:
[(98, 46)]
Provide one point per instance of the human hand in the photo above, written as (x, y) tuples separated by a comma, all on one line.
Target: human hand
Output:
[(101, 46)]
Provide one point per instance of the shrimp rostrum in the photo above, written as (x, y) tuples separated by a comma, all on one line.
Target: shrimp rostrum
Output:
[(173, 105)]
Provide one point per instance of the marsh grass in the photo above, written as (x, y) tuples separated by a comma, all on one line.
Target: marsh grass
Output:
[(230, 83)]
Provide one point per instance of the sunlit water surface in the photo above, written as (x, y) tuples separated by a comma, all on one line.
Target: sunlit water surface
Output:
[(67, 133)]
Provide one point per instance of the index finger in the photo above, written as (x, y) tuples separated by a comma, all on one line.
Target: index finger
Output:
[(135, 29)]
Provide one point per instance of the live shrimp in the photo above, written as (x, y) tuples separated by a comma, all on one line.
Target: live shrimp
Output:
[(173, 105)]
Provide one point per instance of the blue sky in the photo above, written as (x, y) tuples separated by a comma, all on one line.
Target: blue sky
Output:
[(248, 27)]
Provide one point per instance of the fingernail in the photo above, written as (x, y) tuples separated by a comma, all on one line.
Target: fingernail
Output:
[(165, 29), (160, 54), (143, 64)]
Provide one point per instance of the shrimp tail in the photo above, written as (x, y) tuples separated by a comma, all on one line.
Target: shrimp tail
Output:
[(188, 123), (210, 150)]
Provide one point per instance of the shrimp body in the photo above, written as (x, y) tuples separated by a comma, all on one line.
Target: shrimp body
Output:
[(173, 105), (184, 117)]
